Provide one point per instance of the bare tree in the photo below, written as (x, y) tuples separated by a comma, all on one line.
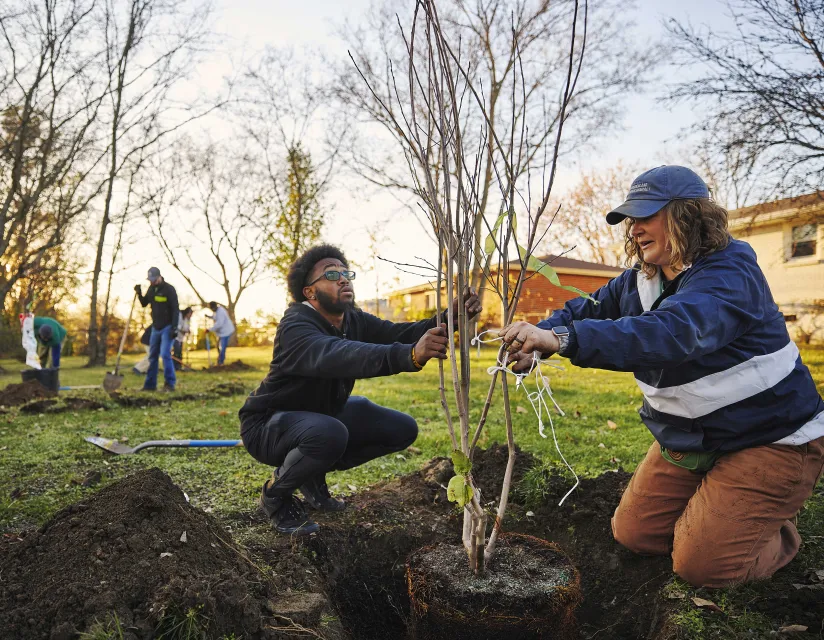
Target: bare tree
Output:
[(282, 107), (151, 47), (581, 221), (50, 98), (762, 89), (429, 110), (223, 238), (485, 31)]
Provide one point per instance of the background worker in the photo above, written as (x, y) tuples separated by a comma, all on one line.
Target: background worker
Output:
[(183, 330), (50, 335), (163, 298), (222, 327), (737, 419), (301, 418), (142, 366)]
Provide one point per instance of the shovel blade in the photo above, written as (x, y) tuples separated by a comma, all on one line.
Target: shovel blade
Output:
[(112, 446), (112, 382)]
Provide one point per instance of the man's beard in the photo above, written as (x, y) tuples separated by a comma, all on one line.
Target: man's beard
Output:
[(332, 304)]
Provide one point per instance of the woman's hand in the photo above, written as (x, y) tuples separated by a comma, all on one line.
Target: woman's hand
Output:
[(526, 338)]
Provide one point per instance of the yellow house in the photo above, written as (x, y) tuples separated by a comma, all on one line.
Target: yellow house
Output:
[(788, 238)]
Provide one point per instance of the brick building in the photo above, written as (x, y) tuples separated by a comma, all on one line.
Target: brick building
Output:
[(538, 300)]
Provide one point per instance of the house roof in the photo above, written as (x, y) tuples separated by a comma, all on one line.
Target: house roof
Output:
[(768, 212), (561, 264)]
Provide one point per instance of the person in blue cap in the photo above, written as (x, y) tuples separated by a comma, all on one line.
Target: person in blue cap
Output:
[(163, 298), (737, 420)]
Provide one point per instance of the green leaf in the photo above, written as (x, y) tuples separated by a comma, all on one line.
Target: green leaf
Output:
[(461, 463), (458, 491), (550, 274), (489, 243)]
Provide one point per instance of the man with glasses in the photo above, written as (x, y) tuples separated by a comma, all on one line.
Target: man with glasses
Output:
[(302, 418)]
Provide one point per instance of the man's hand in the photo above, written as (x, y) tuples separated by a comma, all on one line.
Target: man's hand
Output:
[(471, 303), (138, 290), (433, 344), (521, 361), (525, 337)]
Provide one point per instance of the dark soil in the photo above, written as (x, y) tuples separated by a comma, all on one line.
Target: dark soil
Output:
[(140, 399), (531, 590), (23, 392), (139, 551), (153, 399), (237, 365), (363, 550)]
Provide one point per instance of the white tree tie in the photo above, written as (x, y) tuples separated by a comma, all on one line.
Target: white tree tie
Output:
[(536, 398)]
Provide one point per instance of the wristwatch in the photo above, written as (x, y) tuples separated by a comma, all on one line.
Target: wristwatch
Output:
[(562, 333)]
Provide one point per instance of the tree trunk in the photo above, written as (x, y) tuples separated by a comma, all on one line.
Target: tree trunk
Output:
[(95, 334), (231, 311)]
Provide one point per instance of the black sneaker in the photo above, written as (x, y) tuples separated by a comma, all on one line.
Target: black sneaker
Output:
[(288, 515), (318, 497), (167, 388)]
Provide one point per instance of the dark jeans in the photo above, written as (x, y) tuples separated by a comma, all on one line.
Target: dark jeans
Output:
[(305, 445), (177, 352), (160, 346)]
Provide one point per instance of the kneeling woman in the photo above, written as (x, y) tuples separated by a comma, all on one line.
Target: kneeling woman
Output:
[(737, 419)]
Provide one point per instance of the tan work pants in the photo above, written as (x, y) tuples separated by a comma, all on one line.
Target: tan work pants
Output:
[(729, 525)]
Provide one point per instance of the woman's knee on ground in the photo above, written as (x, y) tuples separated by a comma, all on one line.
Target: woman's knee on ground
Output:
[(632, 531), (704, 565)]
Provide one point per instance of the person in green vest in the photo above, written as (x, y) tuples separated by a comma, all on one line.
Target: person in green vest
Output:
[(50, 336)]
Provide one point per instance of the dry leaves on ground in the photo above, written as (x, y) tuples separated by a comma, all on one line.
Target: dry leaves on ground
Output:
[(701, 603), (793, 628)]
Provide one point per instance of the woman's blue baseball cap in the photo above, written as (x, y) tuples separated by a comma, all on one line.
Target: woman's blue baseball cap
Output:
[(654, 189)]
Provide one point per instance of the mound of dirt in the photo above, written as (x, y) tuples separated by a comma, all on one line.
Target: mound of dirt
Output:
[(23, 392), (237, 365), (138, 551)]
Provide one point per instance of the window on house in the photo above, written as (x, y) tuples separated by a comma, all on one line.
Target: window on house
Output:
[(429, 302), (804, 240)]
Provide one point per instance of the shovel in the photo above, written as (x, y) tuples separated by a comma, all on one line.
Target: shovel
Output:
[(209, 349), (113, 446), (112, 381)]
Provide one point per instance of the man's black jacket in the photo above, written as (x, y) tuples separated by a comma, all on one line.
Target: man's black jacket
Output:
[(314, 365), (165, 309)]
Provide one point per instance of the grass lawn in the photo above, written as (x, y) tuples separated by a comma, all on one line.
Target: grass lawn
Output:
[(43, 457)]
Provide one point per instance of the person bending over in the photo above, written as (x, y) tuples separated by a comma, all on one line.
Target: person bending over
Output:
[(737, 419), (302, 418)]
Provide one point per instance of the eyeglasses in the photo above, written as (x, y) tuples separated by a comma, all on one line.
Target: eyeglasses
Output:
[(334, 276)]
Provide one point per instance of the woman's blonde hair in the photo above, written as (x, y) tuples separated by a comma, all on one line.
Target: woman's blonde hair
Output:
[(694, 228)]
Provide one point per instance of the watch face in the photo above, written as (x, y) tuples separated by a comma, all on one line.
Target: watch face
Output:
[(560, 331)]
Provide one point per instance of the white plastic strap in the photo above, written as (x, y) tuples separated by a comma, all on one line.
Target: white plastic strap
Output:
[(536, 398)]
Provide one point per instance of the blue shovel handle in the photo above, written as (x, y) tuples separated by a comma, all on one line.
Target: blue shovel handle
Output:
[(188, 443)]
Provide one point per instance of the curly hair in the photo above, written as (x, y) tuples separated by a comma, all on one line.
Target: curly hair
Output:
[(694, 228), (299, 270)]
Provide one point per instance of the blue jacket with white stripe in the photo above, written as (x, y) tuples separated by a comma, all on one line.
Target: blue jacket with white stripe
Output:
[(711, 353)]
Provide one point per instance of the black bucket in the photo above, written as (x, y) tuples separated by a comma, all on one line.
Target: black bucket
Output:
[(47, 377)]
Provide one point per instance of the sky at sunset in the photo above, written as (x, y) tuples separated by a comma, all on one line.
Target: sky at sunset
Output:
[(650, 137)]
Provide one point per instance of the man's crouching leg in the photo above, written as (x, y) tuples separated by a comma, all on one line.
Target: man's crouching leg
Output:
[(653, 501), (374, 431), (313, 442)]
